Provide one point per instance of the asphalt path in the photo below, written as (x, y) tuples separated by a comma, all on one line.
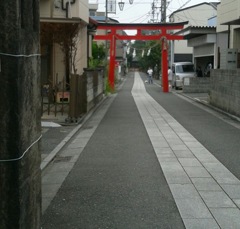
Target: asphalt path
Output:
[(117, 181), (218, 135)]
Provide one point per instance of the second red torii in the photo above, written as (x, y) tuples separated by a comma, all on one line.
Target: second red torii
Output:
[(164, 35)]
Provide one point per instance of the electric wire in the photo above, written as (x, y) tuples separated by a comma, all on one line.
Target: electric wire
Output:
[(19, 55), (24, 153)]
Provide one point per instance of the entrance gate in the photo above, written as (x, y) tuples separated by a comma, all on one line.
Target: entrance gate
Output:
[(164, 31)]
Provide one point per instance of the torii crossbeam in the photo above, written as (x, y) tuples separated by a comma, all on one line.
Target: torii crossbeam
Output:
[(164, 34)]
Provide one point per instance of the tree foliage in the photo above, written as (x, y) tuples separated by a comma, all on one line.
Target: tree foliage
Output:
[(151, 59), (98, 55)]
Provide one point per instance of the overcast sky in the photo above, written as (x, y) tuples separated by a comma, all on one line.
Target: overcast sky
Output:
[(140, 10)]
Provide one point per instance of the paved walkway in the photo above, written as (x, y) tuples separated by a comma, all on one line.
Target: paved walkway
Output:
[(206, 194)]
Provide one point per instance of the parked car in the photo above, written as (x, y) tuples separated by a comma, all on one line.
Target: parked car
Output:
[(181, 70)]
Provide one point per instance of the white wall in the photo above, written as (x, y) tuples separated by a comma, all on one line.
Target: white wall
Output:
[(182, 47), (229, 10), (195, 15), (81, 57), (58, 64), (45, 7), (53, 9)]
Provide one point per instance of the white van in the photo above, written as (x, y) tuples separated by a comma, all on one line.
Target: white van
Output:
[(181, 70)]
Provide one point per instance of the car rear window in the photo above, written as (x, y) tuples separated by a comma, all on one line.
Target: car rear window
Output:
[(184, 68)]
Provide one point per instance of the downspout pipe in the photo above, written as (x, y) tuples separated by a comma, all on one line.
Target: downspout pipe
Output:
[(66, 6), (229, 31)]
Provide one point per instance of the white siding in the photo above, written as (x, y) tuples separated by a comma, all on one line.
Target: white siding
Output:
[(206, 50), (182, 47), (229, 11)]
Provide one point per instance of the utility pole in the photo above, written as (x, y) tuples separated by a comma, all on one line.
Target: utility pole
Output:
[(163, 10), (155, 12), (20, 115)]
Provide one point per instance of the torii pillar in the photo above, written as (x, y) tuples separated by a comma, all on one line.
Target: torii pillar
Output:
[(112, 61), (165, 86)]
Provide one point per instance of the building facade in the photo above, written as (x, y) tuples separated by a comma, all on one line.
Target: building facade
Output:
[(198, 16), (64, 40)]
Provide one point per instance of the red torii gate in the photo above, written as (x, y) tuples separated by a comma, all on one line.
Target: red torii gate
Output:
[(164, 35)]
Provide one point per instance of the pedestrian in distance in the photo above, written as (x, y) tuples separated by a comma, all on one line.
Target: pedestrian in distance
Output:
[(150, 75), (169, 76), (199, 72)]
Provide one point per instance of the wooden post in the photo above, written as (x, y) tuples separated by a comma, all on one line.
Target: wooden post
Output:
[(20, 115)]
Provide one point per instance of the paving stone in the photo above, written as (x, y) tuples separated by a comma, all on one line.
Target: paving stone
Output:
[(177, 178), (195, 144), (227, 218), (225, 178), (193, 208), (182, 147), (183, 153), (189, 162), (172, 167), (217, 199), (197, 172), (183, 191), (200, 224), (206, 184), (167, 159), (237, 202), (232, 190), (161, 150), (215, 167), (165, 155)]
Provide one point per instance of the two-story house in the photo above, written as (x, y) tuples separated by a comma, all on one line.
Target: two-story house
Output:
[(198, 19), (64, 40)]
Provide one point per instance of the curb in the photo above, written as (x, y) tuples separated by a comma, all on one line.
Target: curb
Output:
[(205, 103), (46, 161)]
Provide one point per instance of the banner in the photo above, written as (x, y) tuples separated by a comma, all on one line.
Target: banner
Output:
[(111, 6)]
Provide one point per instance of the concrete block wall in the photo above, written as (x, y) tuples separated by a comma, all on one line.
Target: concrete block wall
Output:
[(94, 87), (196, 85), (225, 90)]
